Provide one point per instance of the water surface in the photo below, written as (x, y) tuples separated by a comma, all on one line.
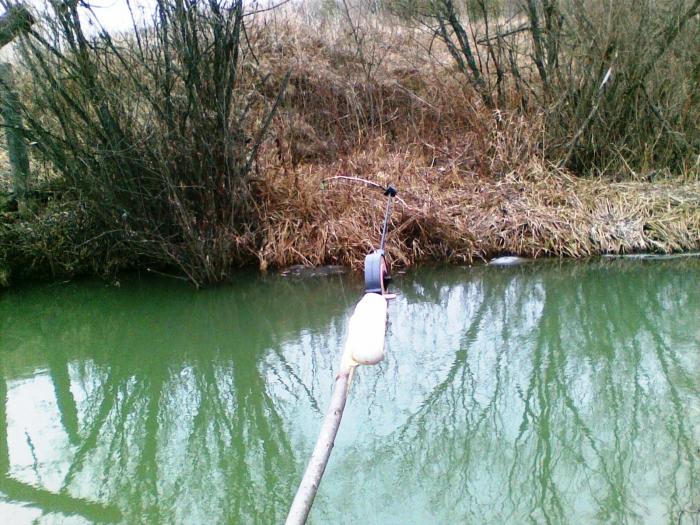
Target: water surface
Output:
[(544, 393)]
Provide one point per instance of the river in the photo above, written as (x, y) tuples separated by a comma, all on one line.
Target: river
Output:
[(549, 392)]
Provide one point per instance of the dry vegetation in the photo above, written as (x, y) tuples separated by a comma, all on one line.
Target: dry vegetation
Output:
[(312, 217), (474, 180), (365, 99)]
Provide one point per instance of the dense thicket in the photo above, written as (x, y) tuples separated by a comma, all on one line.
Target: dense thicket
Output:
[(153, 130), (153, 142), (617, 82)]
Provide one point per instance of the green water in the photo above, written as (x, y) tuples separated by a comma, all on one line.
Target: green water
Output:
[(545, 393)]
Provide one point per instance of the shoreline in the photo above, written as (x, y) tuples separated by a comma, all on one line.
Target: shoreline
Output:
[(455, 217), (312, 273), (445, 217)]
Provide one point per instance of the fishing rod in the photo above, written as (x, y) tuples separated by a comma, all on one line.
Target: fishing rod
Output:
[(364, 345), (377, 276)]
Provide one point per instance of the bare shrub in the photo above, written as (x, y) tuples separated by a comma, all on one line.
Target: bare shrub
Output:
[(157, 129), (615, 81)]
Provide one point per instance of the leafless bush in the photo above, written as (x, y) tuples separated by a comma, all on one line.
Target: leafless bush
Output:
[(616, 81), (157, 129)]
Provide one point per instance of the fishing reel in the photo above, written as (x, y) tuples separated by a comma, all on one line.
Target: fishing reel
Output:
[(376, 273), (377, 276)]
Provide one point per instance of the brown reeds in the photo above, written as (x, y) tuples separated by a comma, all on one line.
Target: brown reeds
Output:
[(476, 181), (447, 216)]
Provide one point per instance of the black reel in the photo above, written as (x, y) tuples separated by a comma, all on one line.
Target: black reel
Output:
[(377, 276)]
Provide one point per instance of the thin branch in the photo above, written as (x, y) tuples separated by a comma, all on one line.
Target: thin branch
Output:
[(271, 8), (589, 118), (498, 36), (365, 182)]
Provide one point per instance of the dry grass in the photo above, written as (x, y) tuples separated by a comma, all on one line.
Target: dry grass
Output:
[(474, 182), (454, 216)]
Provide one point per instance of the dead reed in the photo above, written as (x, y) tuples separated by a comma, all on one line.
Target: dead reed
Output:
[(476, 180), (311, 218)]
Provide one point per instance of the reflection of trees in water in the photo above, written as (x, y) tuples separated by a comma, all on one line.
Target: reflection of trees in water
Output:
[(31, 496), (567, 397), (4, 452), (189, 426), (532, 394)]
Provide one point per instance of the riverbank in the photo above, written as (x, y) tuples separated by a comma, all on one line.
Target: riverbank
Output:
[(320, 214), (447, 216), (474, 181)]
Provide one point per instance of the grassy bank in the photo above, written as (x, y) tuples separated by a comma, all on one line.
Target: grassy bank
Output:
[(447, 216), (365, 98), (314, 216)]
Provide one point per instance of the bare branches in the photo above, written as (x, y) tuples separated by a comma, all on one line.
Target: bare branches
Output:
[(446, 14), (160, 127), (589, 118), (15, 21)]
